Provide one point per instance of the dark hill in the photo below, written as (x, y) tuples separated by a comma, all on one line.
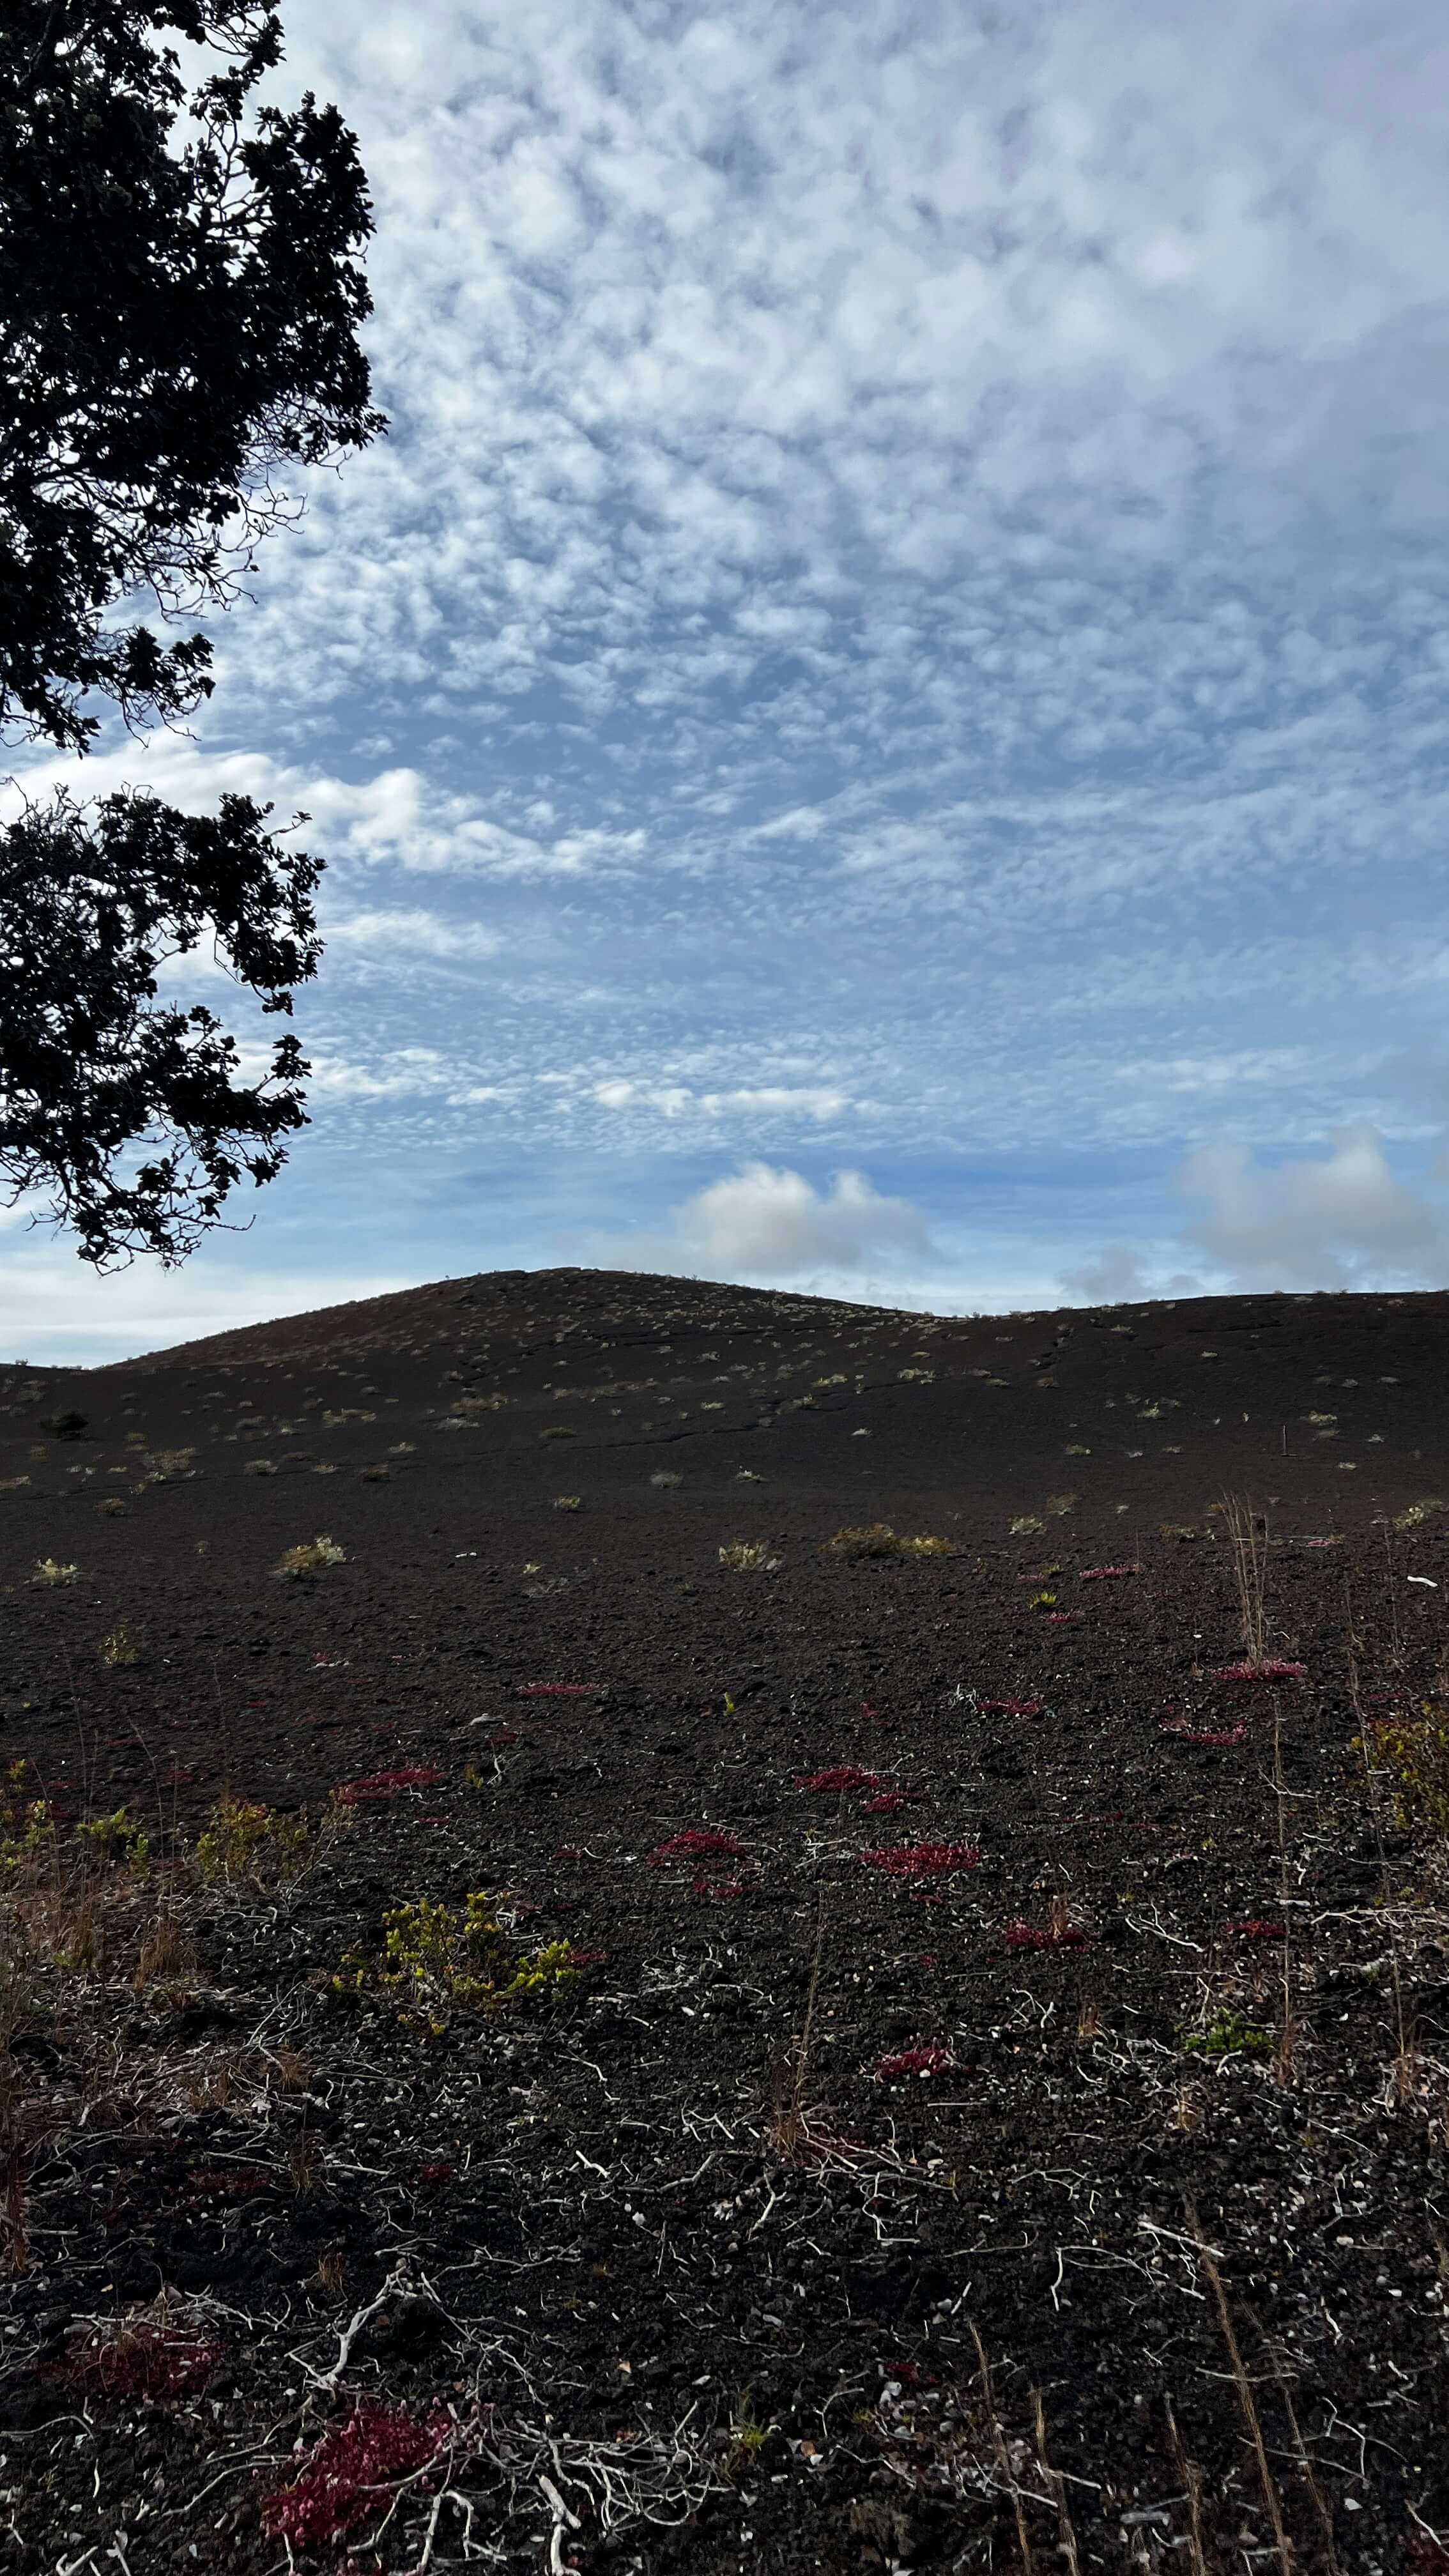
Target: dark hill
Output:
[(1031, 1953)]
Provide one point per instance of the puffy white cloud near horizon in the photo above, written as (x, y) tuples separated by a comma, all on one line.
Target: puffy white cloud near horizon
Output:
[(901, 627), (1339, 1218), (767, 1223)]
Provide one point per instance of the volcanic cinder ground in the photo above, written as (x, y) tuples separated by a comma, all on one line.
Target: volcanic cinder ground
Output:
[(1030, 2144)]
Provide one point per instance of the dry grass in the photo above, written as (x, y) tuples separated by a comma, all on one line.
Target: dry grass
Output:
[(123, 1644), (1247, 1536), (568, 1502), (49, 1572), (1244, 2386), (746, 1556), (165, 1953)]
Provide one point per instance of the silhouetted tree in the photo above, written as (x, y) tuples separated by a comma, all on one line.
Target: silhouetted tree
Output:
[(179, 305)]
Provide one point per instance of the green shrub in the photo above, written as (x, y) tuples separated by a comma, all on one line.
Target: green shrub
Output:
[(242, 1837), (1227, 2036), (436, 1963), (1415, 1751)]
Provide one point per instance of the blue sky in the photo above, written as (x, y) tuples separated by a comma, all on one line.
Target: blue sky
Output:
[(881, 720)]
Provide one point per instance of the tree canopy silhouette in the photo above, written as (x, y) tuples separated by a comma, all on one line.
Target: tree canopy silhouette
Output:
[(180, 298)]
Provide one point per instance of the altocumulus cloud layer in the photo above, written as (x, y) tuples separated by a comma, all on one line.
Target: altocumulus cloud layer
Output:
[(882, 714)]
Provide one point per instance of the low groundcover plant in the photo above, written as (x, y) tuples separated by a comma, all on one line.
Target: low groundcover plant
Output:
[(436, 1962)]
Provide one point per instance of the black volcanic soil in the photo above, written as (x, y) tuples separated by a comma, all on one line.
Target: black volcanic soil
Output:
[(996, 2201)]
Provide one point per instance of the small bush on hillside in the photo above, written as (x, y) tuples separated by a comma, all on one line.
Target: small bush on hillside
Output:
[(310, 1558), (168, 1466), (1026, 1525), (48, 1571), (746, 1556), (880, 1540), (1228, 2036), (241, 1836), (1417, 1514), (436, 1962), (116, 1838), (123, 1644), (1415, 1751)]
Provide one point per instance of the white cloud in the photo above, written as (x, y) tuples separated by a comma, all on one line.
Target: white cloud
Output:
[(389, 932), (759, 1100), (1339, 1219), (766, 1222)]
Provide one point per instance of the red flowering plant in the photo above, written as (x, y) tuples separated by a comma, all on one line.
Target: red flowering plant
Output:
[(1060, 1933), (351, 2472), (840, 1779), (1273, 1668), (1216, 1736), (698, 1844), (139, 2356), (926, 2057), (922, 1860), (378, 1786)]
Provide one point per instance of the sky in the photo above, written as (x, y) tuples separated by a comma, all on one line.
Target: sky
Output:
[(880, 720)]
